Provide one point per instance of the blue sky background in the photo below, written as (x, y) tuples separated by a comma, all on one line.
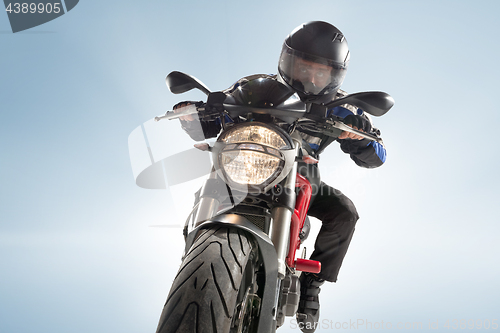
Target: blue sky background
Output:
[(77, 253)]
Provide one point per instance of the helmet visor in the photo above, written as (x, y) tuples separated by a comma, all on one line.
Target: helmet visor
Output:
[(309, 74)]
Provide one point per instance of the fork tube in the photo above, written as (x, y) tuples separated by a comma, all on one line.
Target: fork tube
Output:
[(282, 216), (208, 205)]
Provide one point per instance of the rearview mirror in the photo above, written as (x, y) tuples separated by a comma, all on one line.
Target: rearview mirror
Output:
[(179, 83), (376, 103)]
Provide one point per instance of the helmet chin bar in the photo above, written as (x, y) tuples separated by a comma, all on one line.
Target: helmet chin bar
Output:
[(320, 98), (311, 89)]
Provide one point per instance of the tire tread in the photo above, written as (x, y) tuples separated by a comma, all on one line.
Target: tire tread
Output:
[(215, 263)]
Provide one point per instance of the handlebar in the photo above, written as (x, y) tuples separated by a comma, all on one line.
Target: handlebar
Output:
[(192, 109)]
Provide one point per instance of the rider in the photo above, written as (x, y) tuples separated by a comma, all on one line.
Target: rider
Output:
[(313, 62)]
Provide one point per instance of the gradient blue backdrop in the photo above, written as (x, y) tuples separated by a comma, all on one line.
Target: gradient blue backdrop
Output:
[(77, 253)]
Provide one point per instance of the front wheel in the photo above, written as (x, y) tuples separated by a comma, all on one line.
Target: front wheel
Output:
[(215, 288)]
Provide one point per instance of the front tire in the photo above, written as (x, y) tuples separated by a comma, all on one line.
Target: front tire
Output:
[(211, 284)]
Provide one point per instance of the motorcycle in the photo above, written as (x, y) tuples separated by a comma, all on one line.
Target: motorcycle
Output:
[(239, 271)]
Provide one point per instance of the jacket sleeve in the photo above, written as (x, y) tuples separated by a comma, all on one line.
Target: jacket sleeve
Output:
[(365, 153)]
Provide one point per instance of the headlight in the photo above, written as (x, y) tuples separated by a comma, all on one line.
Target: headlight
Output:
[(255, 133), (252, 154), (249, 167)]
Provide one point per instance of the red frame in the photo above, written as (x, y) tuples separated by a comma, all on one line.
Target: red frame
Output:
[(297, 223)]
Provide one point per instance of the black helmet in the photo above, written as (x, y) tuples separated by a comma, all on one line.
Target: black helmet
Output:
[(314, 61)]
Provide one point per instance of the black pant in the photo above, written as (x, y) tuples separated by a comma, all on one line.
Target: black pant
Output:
[(339, 216)]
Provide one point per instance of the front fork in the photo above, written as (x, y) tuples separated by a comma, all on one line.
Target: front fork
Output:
[(209, 199), (281, 217), (288, 219)]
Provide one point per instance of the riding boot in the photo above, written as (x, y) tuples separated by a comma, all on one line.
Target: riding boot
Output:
[(308, 311)]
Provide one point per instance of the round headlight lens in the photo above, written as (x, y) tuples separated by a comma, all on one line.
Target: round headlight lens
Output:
[(251, 154), (249, 167)]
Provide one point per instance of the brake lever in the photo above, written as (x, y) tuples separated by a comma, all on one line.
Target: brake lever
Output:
[(183, 111), (341, 126)]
